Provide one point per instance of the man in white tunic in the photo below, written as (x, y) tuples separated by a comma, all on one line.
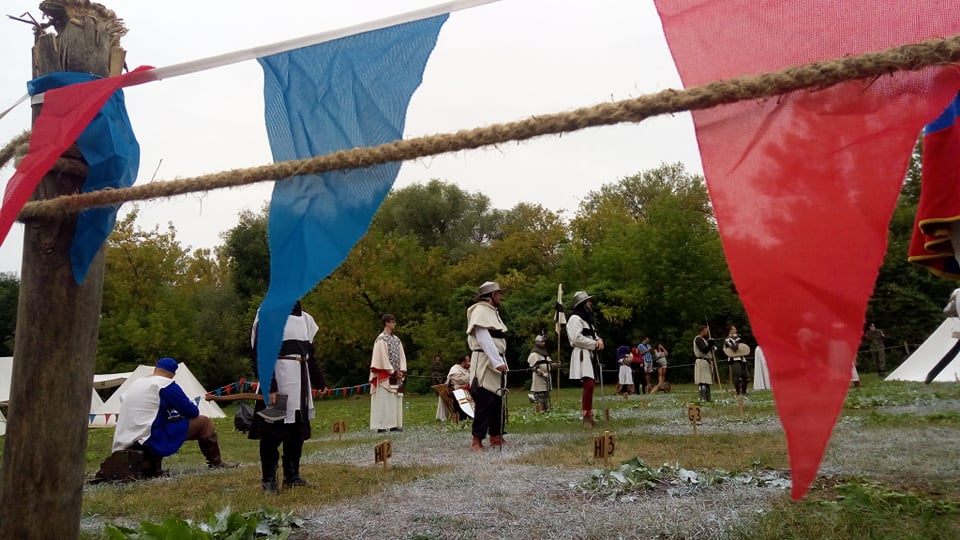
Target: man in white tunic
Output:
[(295, 373), (584, 340), (458, 378), (156, 417), (702, 365), (539, 362), (486, 337), (388, 367)]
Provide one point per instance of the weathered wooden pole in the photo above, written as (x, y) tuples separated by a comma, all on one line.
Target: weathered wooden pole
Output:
[(41, 481)]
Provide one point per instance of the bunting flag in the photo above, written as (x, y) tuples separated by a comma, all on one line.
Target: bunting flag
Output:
[(113, 158), (932, 244), (241, 386), (332, 96), (66, 114), (803, 186), (244, 387), (68, 111), (338, 95)]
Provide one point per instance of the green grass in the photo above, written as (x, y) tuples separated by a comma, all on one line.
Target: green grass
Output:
[(197, 496), (912, 505), (859, 508)]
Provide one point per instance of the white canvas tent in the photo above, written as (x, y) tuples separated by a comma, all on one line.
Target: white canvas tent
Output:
[(918, 365), (106, 415), (6, 375), (110, 380)]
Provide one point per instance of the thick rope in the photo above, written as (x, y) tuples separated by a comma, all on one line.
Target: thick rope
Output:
[(813, 76), (16, 147)]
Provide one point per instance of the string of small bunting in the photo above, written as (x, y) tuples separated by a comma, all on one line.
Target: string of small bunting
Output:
[(243, 386)]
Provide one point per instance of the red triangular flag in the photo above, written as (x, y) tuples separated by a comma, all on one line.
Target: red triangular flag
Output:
[(803, 185), (65, 114)]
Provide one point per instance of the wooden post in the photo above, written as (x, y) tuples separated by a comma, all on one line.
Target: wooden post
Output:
[(603, 447), (383, 452), (339, 427), (693, 414), (42, 476)]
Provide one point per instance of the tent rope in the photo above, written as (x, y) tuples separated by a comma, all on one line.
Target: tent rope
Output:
[(813, 76)]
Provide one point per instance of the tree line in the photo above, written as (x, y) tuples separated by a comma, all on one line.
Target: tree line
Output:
[(646, 246)]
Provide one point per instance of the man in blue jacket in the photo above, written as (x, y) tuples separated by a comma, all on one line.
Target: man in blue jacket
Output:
[(156, 416)]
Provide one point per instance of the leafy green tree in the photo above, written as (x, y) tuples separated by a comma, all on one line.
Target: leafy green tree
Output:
[(907, 299), (648, 248), (439, 214), (384, 273), (247, 255), (159, 299)]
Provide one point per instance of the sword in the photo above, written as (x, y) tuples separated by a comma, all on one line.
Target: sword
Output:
[(503, 391)]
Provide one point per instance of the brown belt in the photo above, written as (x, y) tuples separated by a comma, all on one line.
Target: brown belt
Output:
[(296, 357)]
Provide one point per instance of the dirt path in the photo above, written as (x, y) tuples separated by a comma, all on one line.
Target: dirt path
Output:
[(488, 496)]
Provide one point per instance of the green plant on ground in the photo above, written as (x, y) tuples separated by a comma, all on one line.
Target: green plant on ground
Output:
[(224, 525), (634, 477)]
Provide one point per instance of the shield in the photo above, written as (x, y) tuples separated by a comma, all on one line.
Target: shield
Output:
[(443, 390), (742, 350), (465, 400)]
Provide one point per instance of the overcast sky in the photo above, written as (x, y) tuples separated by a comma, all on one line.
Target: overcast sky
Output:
[(501, 62)]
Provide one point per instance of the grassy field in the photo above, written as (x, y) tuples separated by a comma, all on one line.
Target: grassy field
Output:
[(884, 498)]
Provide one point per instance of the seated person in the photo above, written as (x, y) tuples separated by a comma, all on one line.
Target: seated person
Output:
[(156, 416), (457, 378)]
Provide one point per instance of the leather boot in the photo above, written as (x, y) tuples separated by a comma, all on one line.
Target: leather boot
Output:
[(152, 464), (477, 444), (269, 480), (210, 448), (707, 393), (268, 466), (291, 474), (291, 466), (496, 440)]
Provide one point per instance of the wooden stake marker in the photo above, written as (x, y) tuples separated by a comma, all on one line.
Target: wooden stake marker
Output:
[(339, 427), (693, 413), (383, 452), (606, 414), (603, 447)]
